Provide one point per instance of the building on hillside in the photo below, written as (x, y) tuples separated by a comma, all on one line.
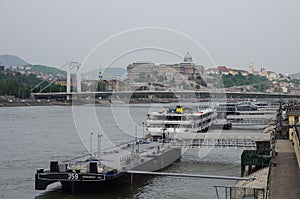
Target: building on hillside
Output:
[(284, 89), (164, 73), (223, 70), (270, 90), (112, 85), (251, 69), (236, 71), (270, 75), (139, 69), (263, 72), (219, 70), (89, 85), (63, 82)]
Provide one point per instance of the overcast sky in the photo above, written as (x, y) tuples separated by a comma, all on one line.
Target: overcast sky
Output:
[(232, 32)]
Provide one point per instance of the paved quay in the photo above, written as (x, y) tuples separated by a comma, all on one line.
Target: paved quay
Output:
[(285, 177)]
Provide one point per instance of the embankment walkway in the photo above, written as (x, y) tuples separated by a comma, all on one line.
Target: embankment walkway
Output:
[(285, 177)]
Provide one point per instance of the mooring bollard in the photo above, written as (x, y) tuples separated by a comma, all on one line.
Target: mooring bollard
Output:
[(274, 164)]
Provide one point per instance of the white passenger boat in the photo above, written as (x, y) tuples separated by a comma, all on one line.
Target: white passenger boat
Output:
[(179, 120), (259, 118)]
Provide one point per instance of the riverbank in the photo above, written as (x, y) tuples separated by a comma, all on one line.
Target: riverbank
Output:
[(44, 102), (29, 102), (17, 104)]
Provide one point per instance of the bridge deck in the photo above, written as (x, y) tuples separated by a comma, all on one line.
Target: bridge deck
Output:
[(183, 93)]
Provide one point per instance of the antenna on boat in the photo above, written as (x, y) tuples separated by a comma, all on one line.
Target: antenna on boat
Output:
[(136, 140), (91, 144), (143, 123), (135, 133)]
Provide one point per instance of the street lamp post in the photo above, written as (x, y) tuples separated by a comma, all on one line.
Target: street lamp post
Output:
[(99, 144), (91, 145), (19, 90)]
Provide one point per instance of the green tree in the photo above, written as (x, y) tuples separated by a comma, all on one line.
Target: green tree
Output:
[(20, 85), (240, 80)]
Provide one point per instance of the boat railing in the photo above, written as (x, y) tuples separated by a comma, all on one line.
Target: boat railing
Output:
[(126, 160), (251, 121), (200, 119)]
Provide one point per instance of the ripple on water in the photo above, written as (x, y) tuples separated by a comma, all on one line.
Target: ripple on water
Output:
[(32, 136)]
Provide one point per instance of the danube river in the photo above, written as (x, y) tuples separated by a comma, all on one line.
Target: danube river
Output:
[(32, 136)]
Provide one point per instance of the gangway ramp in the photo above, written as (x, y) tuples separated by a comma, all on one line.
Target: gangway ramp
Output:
[(219, 140)]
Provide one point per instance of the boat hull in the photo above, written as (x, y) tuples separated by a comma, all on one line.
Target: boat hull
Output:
[(99, 182)]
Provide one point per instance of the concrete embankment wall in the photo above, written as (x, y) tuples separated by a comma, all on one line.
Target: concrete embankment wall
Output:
[(297, 147), (257, 187)]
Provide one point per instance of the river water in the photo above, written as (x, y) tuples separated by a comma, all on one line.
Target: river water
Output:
[(32, 136)]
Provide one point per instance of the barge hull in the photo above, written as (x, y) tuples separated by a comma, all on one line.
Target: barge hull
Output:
[(154, 162)]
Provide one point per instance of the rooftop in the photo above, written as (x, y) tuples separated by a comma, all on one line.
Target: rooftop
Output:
[(293, 113)]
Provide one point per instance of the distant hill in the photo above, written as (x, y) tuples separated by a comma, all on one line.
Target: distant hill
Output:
[(295, 76), (107, 74), (110, 72), (11, 60)]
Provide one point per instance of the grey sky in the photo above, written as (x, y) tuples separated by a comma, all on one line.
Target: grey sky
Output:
[(234, 32)]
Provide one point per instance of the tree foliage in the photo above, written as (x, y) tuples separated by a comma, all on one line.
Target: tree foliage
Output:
[(48, 70), (20, 86), (240, 80)]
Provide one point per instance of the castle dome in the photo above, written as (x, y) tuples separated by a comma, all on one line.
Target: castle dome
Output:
[(188, 58)]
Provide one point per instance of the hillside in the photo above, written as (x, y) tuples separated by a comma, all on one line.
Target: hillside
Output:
[(11, 60), (20, 85), (46, 70)]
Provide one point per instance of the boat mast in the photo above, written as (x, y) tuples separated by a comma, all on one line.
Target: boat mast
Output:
[(136, 140)]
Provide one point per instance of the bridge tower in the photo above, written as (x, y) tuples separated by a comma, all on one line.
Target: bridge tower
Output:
[(72, 65), (78, 79)]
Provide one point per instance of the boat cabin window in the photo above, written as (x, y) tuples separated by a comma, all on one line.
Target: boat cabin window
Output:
[(188, 126), (159, 117), (173, 117), (171, 125), (155, 126)]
